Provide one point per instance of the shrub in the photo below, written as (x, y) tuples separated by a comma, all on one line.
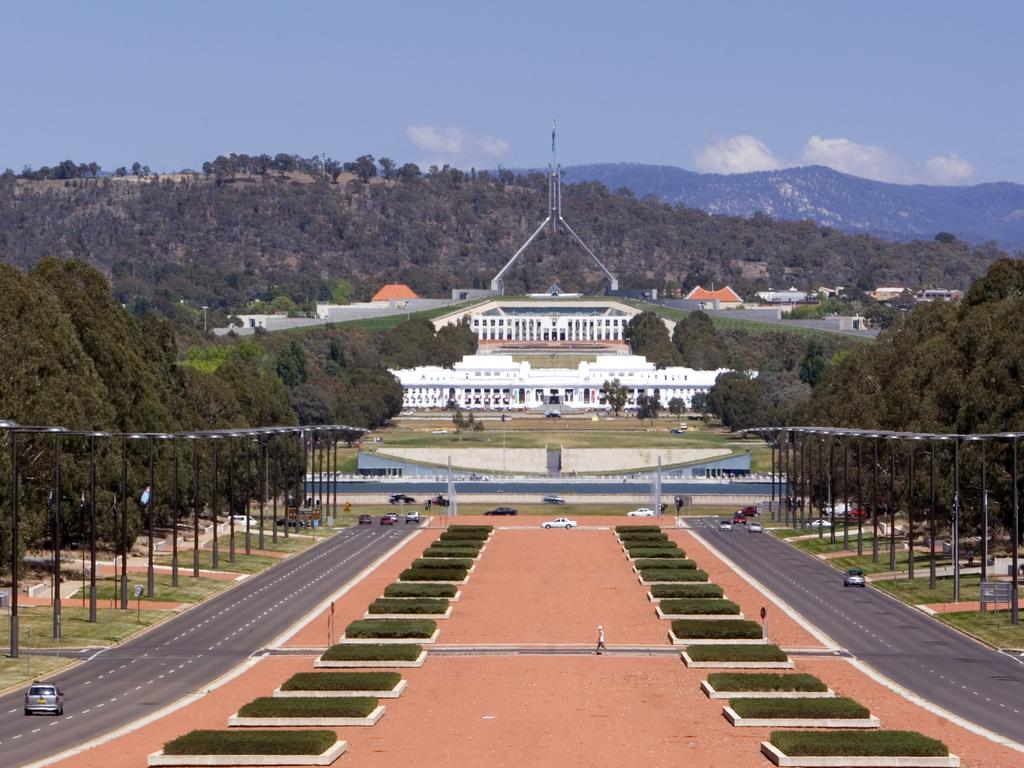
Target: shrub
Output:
[(460, 535), (621, 529), (733, 629), (683, 591), (699, 605), (486, 529), (420, 590), (447, 552), (847, 709), (630, 543), (736, 652), (861, 743), (432, 574), (342, 681), (251, 743), (667, 564), (673, 553), (348, 652), (664, 574), (391, 628), (426, 562), (465, 544), (269, 706), (632, 538), (763, 681), (383, 605)]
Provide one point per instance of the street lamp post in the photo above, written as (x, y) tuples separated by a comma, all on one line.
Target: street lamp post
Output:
[(124, 523), (932, 532), (910, 508), (56, 538), (214, 548), (174, 512), (1016, 536), (12, 433), (231, 499), (892, 504), (956, 519), (860, 499), (874, 502)]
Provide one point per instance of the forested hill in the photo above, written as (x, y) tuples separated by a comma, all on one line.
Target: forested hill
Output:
[(852, 204), (225, 239)]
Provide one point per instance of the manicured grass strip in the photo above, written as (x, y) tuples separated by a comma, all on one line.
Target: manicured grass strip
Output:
[(698, 605), (426, 562), (346, 652), (683, 591), (859, 744), (342, 681), (621, 529), (846, 709), (251, 743), (665, 574), (725, 682), (432, 574), (391, 628), (666, 552), (668, 564), (383, 605), (269, 706), (738, 629), (736, 652), (420, 590)]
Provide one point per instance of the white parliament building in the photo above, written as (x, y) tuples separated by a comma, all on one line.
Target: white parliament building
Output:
[(499, 382)]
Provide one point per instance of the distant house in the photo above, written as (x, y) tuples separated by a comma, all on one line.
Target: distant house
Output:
[(394, 292), (887, 293), (939, 294), (790, 296), (723, 298)]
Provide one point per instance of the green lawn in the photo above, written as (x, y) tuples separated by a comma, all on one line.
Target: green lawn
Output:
[(921, 558), (26, 668), (189, 589), (112, 625), (916, 592), (823, 545), (992, 628)]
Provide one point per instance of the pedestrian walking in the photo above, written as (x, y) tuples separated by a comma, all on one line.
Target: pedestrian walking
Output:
[(600, 640), (970, 558)]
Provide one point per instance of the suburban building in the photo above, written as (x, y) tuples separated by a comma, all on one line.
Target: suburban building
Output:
[(394, 292), (939, 294), (887, 293), (723, 298), (500, 382), (788, 296)]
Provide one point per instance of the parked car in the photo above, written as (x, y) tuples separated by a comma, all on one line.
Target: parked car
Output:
[(281, 521), (641, 512), (502, 511), (365, 520), (240, 520), (44, 697), (854, 578), (819, 523), (400, 498), (388, 519), (754, 527), (678, 431), (554, 500), (560, 522), (725, 525), (412, 517)]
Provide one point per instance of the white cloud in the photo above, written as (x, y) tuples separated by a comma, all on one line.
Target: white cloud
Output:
[(457, 148), (949, 168), (736, 154), (864, 160)]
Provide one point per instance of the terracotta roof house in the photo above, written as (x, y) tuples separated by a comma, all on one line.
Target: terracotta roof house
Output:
[(723, 298), (394, 292)]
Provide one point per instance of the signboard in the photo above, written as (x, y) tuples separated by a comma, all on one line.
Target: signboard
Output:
[(996, 592), (138, 590)]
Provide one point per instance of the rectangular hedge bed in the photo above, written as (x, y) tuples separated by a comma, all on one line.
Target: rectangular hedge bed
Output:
[(736, 685), (270, 711), (435, 552), (808, 713), (475, 544), (391, 629), (874, 748), (421, 590), (668, 576), (686, 591), (434, 574), (405, 605), (697, 606), (732, 631), (232, 748), (372, 655), (422, 563), (661, 553), (620, 529), (626, 539), (388, 685), (736, 657), (649, 544), (665, 563)]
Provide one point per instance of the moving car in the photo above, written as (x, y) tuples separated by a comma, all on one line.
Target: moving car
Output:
[(502, 511), (739, 519), (754, 527), (642, 512), (678, 431), (291, 523), (389, 519), (240, 520), (560, 522), (854, 578), (747, 512), (553, 500), (44, 697), (819, 523), (725, 525), (412, 517), (365, 520), (400, 498)]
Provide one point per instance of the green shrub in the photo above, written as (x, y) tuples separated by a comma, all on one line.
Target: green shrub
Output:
[(665, 574), (391, 628), (699, 605), (270, 706), (350, 652), (736, 652), (634, 538), (461, 535), (621, 529), (487, 529), (839, 707), (420, 590), (433, 574), (732, 629), (763, 681), (683, 591), (466, 544), (342, 681), (631, 544), (383, 605), (674, 553), (667, 564), (857, 744), (426, 562), (251, 743), (447, 552)]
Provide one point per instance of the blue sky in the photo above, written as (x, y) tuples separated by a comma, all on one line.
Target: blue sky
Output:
[(908, 91)]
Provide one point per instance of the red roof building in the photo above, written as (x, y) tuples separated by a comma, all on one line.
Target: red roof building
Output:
[(394, 292), (723, 298)]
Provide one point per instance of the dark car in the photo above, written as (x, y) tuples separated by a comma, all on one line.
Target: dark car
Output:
[(44, 697), (388, 519), (502, 511), (552, 499), (440, 500), (290, 523), (365, 520), (400, 498)]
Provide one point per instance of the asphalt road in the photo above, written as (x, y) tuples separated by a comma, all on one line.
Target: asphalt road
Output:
[(926, 657), (181, 655)]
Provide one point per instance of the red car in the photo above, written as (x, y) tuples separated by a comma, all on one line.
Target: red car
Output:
[(739, 518), (388, 519), (747, 512)]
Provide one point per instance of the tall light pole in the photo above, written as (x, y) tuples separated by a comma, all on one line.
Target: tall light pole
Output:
[(205, 308)]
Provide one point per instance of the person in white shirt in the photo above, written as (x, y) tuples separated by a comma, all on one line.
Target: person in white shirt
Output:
[(600, 640)]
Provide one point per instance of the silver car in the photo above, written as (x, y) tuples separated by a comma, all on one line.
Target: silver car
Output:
[(44, 697), (754, 527)]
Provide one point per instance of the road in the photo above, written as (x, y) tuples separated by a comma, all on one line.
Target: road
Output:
[(181, 655), (926, 657), (669, 487)]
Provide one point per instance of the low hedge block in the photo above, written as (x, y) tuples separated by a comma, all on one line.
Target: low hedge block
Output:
[(267, 706), (665, 553), (649, 544), (435, 552), (391, 628), (404, 605), (811, 709), (731, 682), (665, 564), (465, 544), (638, 538), (342, 681), (620, 529), (737, 653), (652, 575), (717, 630), (421, 563), (844, 744), (471, 529), (421, 590), (459, 535), (344, 652), (695, 606), (686, 591), (251, 743), (433, 574)]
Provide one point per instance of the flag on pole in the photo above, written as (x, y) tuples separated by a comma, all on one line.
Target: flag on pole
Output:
[(552, 137)]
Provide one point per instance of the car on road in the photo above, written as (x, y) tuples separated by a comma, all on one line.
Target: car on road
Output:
[(551, 499), (854, 577), (754, 527), (641, 512), (400, 498), (819, 523), (439, 500), (240, 520), (560, 522), (389, 519), (502, 511), (44, 697), (747, 512), (413, 517), (678, 431), (291, 523), (365, 520), (725, 525), (739, 519)]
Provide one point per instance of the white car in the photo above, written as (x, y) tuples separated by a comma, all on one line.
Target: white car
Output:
[(560, 522), (642, 512), (819, 523), (240, 520), (754, 527), (725, 525)]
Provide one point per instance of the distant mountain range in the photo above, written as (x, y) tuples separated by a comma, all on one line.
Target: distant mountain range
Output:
[(901, 212)]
